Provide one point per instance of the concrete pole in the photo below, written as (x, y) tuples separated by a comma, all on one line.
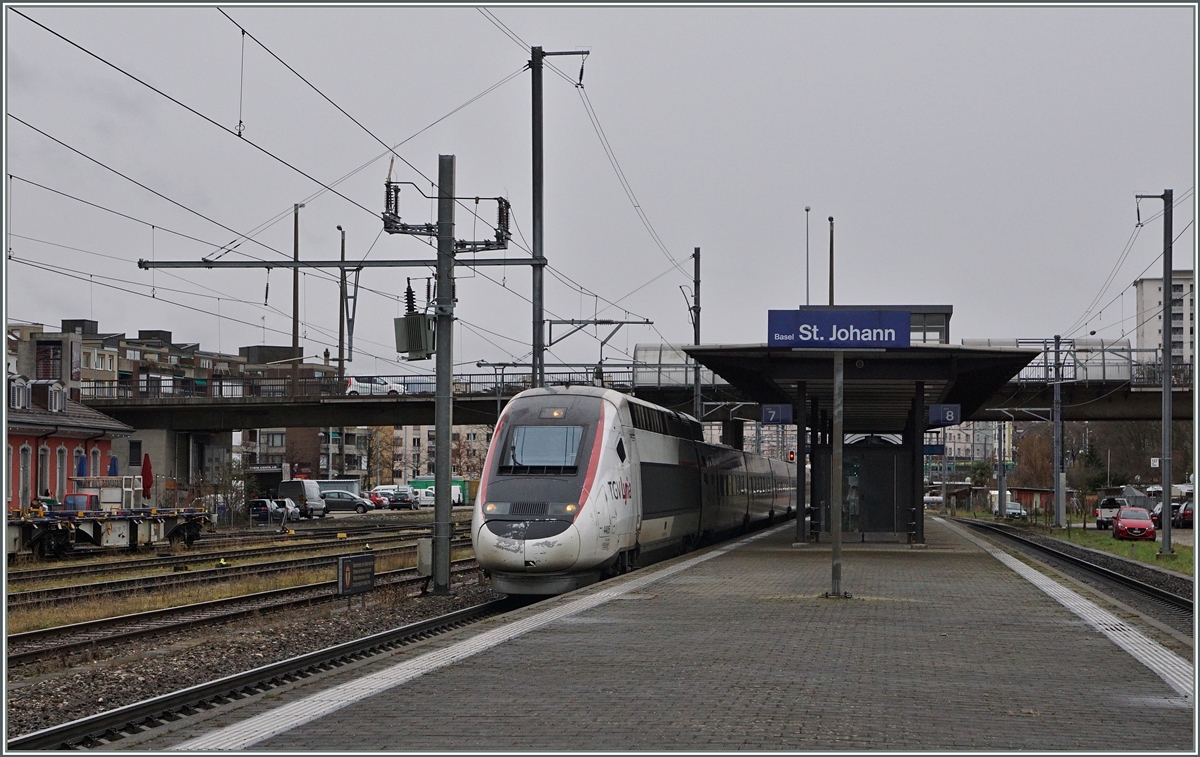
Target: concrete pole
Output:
[(296, 299), (342, 316), (341, 357), (539, 343), (444, 396), (1002, 493), (697, 407), (1168, 300), (1060, 505), (801, 500), (807, 288), (835, 517)]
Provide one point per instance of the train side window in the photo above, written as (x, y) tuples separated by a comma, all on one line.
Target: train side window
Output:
[(621, 449)]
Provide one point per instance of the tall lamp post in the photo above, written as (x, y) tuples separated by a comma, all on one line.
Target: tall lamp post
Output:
[(806, 277)]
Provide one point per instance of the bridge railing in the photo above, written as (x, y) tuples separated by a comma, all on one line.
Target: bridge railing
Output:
[(1095, 361), (467, 384)]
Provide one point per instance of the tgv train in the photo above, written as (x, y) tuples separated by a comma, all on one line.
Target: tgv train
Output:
[(582, 483)]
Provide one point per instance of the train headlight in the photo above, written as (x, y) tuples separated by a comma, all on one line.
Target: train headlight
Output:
[(571, 509), (491, 508)]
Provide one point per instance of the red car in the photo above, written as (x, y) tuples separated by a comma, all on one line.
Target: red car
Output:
[(1183, 516), (1133, 523)]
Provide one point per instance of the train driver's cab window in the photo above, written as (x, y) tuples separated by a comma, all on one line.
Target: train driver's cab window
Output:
[(541, 449)]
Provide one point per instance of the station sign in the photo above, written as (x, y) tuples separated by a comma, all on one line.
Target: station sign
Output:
[(838, 329), (776, 415), (356, 574), (945, 415)]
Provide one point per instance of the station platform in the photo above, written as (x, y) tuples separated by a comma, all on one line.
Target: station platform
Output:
[(946, 647)]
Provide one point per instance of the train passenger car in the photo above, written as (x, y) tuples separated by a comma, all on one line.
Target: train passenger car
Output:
[(582, 482)]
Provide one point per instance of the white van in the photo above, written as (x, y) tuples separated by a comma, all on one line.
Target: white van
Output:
[(306, 494), (425, 497)]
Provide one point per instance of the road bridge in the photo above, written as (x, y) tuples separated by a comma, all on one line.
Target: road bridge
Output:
[(1108, 384)]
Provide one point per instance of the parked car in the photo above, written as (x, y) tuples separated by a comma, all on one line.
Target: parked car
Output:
[(1184, 516), (273, 510), (1156, 514), (339, 500), (306, 494), (1107, 508), (401, 499), (372, 385), (1011, 510), (1133, 523), (425, 497)]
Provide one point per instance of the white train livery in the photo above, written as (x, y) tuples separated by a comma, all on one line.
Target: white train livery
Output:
[(582, 482)]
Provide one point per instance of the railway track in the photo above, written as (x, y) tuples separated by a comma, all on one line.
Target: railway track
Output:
[(112, 726), (1173, 607), (170, 561), (63, 641), (45, 597)]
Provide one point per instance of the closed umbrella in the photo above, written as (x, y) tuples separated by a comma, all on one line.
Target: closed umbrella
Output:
[(147, 476), (114, 468), (81, 467)]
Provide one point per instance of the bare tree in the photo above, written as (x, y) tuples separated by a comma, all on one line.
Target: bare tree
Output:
[(377, 446)]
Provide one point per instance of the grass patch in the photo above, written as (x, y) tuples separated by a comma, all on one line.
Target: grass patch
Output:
[(1103, 541)]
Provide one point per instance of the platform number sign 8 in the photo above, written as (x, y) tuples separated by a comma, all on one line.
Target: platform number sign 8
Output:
[(945, 415)]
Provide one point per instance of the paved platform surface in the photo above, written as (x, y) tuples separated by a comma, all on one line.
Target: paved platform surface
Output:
[(940, 648)]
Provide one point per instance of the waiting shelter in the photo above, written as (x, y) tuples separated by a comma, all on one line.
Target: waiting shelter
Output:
[(897, 366)]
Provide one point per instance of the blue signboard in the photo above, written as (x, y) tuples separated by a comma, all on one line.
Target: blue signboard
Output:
[(776, 415), (837, 329), (935, 449), (945, 415)]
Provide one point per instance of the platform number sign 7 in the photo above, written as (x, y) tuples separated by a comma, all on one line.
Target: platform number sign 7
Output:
[(945, 415), (776, 414)]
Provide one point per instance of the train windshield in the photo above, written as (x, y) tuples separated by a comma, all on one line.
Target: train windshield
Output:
[(541, 449)]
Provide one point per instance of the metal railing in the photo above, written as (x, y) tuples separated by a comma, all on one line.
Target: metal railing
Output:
[(1111, 364)]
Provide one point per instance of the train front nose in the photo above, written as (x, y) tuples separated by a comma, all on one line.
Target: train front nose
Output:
[(520, 546)]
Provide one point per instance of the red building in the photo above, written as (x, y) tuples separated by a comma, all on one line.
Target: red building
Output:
[(48, 435)]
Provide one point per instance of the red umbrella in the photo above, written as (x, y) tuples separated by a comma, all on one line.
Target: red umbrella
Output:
[(147, 476)]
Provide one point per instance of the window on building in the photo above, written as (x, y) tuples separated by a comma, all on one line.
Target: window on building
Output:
[(75, 460), (1177, 287), (48, 362), (87, 360), (133, 354), (26, 461), (56, 399), (205, 362), (96, 469), (351, 440), (43, 470), (1176, 316), (275, 439), (110, 361), (61, 478)]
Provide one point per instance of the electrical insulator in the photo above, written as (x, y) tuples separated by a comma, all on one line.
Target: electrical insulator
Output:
[(410, 299)]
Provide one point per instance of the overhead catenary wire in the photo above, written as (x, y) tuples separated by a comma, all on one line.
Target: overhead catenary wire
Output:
[(324, 186)]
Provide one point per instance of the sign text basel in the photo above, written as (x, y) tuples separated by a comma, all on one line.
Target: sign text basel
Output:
[(837, 329)]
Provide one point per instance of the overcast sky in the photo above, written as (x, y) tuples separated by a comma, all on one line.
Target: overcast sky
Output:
[(984, 158)]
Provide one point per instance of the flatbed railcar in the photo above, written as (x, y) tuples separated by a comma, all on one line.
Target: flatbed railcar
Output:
[(582, 482), (102, 511)]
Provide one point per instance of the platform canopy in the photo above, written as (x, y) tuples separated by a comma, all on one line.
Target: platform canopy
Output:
[(880, 384)]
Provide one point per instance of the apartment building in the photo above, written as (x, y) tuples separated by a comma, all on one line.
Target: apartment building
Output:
[(1181, 319)]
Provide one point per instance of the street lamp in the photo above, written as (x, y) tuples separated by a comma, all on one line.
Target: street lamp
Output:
[(499, 379), (806, 279)]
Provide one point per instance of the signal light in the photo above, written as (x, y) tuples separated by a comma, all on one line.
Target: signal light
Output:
[(791, 456)]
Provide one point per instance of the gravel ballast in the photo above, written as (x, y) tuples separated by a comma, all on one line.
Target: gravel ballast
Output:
[(122, 675)]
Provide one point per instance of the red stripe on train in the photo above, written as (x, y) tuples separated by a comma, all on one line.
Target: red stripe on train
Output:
[(593, 463)]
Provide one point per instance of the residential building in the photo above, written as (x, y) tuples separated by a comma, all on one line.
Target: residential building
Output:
[(51, 438), (413, 451), (1182, 316)]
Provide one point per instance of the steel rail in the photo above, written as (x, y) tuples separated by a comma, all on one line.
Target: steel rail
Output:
[(1153, 591), (151, 563), (41, 597), (322, 592), (110, 726)]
